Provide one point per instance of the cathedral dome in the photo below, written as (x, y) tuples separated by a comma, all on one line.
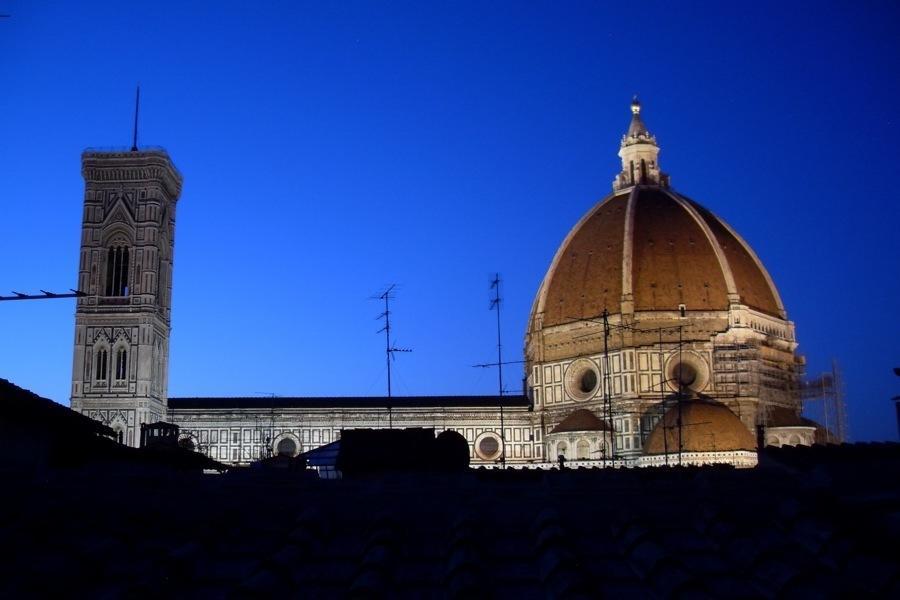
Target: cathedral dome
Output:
[(581, 420), (706, 426), (646, 247)]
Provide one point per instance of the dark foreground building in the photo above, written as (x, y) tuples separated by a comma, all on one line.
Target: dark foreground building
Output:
[(807, 525), (807, 522)]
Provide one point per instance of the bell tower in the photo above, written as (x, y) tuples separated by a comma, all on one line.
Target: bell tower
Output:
[(120, 364)]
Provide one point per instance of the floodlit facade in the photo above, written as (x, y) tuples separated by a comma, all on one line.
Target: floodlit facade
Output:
[(653, 302), (121, 357), (656, 337)]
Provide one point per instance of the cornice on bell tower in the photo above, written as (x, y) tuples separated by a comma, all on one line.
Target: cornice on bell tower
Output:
[(640, 155)]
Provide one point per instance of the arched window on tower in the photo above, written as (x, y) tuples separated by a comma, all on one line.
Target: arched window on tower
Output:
[(643, 171), (117, 271), (102, 358), (121, 364), (632, 172)]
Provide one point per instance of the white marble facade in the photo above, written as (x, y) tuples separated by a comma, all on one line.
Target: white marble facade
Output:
[(120, 361)]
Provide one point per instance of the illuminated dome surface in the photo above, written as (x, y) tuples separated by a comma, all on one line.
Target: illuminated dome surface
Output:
[(581, 420), (661, 250), (705, 427)]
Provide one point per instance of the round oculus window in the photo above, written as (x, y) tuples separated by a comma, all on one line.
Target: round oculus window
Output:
[(588, 381), (286, 447), (582, 379), (687, 373), (488, 446)]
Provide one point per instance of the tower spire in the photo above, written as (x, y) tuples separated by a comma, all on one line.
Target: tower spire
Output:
[(639, 153), (137, 108)]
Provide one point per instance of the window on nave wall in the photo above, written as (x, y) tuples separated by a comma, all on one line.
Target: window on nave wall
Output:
[(117, 271)]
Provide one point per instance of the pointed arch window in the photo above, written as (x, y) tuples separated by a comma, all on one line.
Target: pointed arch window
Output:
[(121, 364), (102, 358), (117, 271)]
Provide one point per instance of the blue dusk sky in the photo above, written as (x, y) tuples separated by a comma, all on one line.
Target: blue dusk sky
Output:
[(331, 148)]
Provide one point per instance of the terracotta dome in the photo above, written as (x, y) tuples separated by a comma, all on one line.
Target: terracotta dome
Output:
[(706, 426), (660, 250), (582, 420)]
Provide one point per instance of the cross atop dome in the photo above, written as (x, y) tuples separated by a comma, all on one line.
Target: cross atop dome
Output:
[(639, 153)]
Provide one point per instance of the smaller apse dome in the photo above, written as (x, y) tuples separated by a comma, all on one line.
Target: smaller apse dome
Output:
[(706, 426), (581, 420)]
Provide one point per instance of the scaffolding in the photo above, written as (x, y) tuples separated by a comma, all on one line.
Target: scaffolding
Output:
[(823, 401), (736, 370)]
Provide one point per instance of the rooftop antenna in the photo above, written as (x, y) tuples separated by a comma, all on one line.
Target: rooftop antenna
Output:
[(137, 108), (662, 396), (607, 402), (389, 348), (495, 304), (680, 393), (44, 295)]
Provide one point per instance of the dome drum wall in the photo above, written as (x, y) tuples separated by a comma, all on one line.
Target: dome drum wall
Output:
[(642, 373), (585, 337)]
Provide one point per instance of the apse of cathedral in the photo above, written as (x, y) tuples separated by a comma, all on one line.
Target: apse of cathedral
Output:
[(656, 337)]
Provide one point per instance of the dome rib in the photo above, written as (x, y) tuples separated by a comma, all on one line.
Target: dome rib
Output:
[(730, 285), (578, 285), (674, 262), (628, 247), (753, 282)]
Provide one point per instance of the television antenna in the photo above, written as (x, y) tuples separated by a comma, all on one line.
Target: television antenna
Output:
[(44, 295), (495, 305), (389, 348)]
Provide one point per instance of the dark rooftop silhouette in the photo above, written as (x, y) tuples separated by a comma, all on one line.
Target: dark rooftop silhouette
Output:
[(818, 521)]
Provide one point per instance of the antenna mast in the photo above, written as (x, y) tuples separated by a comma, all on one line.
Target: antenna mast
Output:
[(137, 108), (389, 349), (606, 391), (44, 295), (495, 304)]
